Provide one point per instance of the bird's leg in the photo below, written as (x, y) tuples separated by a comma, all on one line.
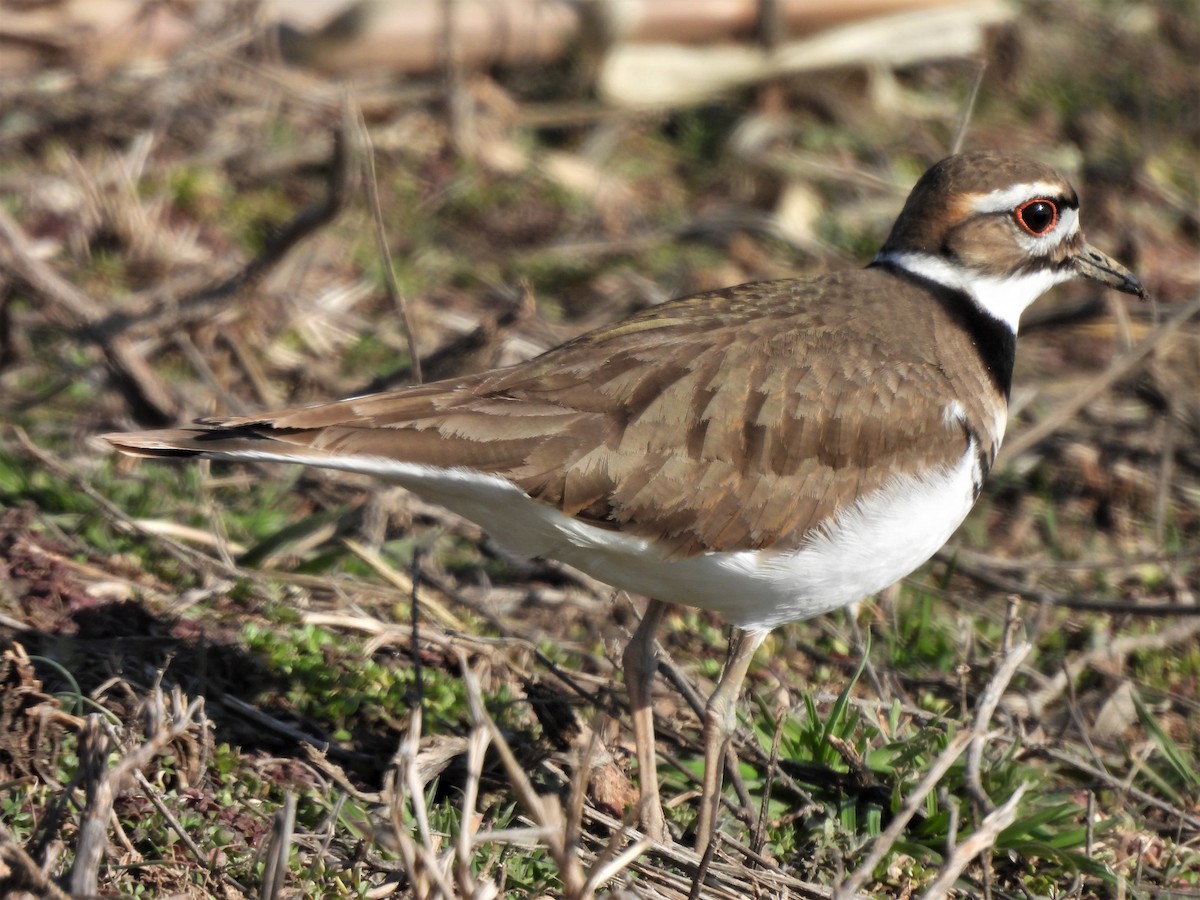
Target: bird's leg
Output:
[(720, 718), (641, 663)]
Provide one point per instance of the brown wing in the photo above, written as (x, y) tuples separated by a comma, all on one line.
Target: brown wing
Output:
[(726, 421), (758, 429)]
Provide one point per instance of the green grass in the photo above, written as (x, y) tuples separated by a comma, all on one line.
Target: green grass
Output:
[(311, 637)]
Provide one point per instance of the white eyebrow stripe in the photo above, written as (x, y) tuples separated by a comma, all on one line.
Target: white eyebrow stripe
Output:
[(1004, 199)]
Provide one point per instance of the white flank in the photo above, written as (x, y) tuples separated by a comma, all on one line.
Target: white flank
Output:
[(1001, 298), (873, 544)]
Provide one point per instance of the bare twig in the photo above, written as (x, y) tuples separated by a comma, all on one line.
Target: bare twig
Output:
[(759, 838), (983, 716), (1033, 704), (733, 880), (399, 301), (912, 804), (985, 575), (23, 871), (980, 841), (177, 827), (1184, 817), (1122, 366), (477, 745), (546, 812), (419, 854), (278, 846), (142, 387), (969, 108), (102, 786), (958, 555)]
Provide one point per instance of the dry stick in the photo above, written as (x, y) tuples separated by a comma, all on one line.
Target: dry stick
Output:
[(407, 776), (546, 812), (137, 380), (985, 576), (423, 849), (1190, 553), (978, 842), (606, 869), (577, 796), (758, 837), (303, 224), (329, 826), (1122, 366), (912, 804), (267, 721), (1117, 784), (24, 873), (93, 828), (477, 745), (608, 862), (177, 826), (102, 792), (1114, 783), (458, 102), (278, 846), (404, 842), (682, 858), (1166, 470), (320, 761), (385, 257), (983, 715), (1032, 704), (961, 134), (1077, 717)]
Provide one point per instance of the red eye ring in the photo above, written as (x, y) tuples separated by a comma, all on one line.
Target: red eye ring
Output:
[(1038, 217)]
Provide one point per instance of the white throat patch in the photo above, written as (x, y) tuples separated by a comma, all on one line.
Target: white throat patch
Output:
[(1001, 298)]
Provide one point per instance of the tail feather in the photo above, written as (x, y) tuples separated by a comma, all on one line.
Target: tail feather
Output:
[(180, 443)]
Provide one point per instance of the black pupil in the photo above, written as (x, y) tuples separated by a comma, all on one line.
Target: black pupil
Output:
[(1038, 216)]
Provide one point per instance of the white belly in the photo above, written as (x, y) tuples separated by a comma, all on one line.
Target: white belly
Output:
[(877, 542)]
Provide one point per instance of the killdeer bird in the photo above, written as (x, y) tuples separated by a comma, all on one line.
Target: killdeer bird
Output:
[(770, 451)]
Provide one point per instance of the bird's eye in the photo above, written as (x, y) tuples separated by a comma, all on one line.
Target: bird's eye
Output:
[(1037, 217)]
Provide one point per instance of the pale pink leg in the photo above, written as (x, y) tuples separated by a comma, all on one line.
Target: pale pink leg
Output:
[(720, 719), (640, 663)]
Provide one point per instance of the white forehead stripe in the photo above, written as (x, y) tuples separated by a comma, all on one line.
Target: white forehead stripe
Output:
[(1068, 221), (1005, 199)]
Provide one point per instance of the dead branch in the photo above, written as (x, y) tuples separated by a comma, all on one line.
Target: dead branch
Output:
[(19, 871), (380, 231), (978, 842), (102, 786), (278, 846), (193, 307), (983, 716), (1123, 366), (1032, 705), (546, 812), (1176, 813), (142, 388), (981, 571), (912, 804)]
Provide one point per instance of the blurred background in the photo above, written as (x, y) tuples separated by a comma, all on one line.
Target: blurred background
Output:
[(225, 207)]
